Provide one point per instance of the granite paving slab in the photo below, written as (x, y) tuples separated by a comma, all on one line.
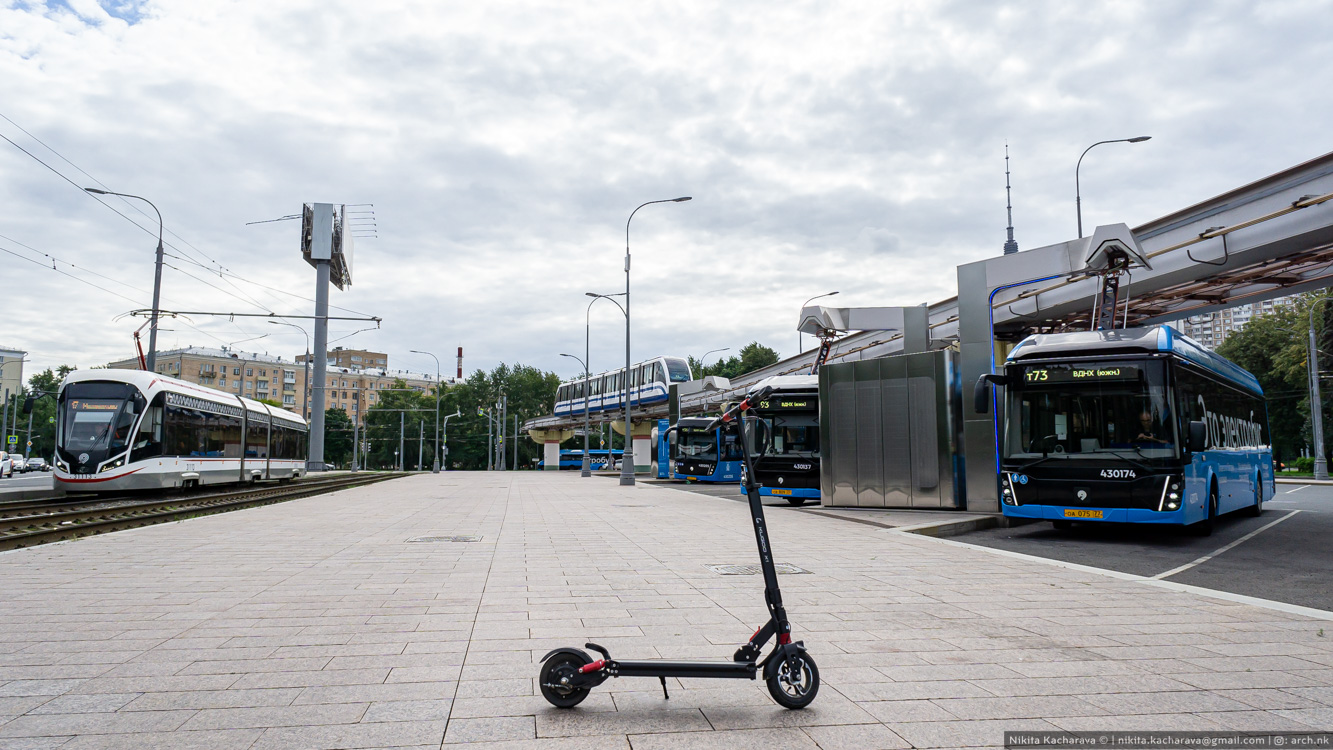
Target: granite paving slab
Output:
[(318, 624)]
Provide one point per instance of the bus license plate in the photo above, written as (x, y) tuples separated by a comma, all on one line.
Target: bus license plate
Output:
[(1071, 513), (781, 492)]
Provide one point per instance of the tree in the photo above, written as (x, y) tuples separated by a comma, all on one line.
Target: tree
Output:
[(531, 394), (338, 431), (1275, 348), (43, 411), (753, 356)]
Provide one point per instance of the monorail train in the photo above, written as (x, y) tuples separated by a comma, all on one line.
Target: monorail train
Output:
[(135, 430), (648, 385)]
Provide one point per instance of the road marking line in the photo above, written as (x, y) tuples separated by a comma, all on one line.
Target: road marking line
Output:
[(1295, 609), (1215, 553), (1298, 489)]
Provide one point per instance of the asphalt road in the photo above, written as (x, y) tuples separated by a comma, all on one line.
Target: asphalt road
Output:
[(39, 480), (1288, 561)]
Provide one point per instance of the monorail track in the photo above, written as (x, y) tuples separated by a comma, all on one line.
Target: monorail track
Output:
[(31, 523)]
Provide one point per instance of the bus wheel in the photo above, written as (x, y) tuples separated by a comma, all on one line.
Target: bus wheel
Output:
[(1063, 525), (1205, 527), (797, 501), (1257, 509)]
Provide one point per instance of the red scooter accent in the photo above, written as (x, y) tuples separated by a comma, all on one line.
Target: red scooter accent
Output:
[(593, 667)]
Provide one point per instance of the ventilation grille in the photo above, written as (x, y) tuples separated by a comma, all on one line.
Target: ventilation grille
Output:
[(435, 539), (754, 570)]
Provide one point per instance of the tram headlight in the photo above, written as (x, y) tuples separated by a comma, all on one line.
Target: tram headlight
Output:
[(62, 466), (113, 465)]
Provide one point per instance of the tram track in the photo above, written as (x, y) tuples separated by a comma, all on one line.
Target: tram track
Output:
[(32, 523)]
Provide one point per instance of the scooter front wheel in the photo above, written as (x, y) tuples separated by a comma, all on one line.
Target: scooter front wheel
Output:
[(554, 680), (795, 682)]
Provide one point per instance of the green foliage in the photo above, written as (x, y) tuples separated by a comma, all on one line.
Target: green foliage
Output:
[(531, 394), (271, 402), (43, 412), (753, 356), (1305, 464), (1275, 349), (337, 438)]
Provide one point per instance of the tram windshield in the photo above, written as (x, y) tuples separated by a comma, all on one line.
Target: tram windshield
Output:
[(97, 416), (1090, 410)]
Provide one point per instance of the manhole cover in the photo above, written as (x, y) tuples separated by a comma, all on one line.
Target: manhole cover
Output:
[(427, 539), (753, 570)]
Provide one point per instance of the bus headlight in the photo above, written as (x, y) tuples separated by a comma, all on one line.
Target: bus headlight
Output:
[(1007, 495), (1170, 494)]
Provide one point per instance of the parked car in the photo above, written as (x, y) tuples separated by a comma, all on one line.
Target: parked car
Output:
[(6, 465), (37, 463)]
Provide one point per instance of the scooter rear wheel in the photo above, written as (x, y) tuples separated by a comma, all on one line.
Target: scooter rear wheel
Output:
[(795, 682), (556, 669)]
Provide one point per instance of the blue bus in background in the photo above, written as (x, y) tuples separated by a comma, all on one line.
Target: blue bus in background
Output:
[(704, 455), (1140, 425), (597, 459)]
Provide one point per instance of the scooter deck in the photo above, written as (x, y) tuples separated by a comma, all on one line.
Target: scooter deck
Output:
[(654, 668)]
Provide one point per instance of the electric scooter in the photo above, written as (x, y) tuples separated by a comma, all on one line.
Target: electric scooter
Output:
[(569, 674)]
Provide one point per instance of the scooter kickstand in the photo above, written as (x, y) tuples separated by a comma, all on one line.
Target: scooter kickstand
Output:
[(664, 690)]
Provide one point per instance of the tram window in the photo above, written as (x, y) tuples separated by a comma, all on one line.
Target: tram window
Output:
[(659, 375), (678, 369), (148, 441), (256, 437)]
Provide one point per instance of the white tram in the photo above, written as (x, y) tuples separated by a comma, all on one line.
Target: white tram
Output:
[(135, 430)]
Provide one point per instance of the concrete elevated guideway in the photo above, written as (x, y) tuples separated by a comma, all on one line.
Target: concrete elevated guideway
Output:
[(1270, 238)]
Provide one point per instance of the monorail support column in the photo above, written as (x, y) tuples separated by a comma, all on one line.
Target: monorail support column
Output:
[(550, 440), (641, 443)]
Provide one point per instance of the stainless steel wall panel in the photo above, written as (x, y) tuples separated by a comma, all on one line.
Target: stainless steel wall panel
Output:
[(869, 436), (838, 459)]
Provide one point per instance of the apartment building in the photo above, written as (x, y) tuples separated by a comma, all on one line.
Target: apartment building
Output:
[(356, 378), (1211, 329)]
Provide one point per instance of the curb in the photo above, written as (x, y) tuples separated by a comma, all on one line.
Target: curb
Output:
[(953, 528), (34, 494), (1302, 480)]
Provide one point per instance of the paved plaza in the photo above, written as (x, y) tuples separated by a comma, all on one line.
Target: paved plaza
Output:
[(351, 621)]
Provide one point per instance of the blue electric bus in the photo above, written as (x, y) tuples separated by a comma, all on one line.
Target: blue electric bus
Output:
[(597, 459), (786, 436), (1141, 425), (703, 455)]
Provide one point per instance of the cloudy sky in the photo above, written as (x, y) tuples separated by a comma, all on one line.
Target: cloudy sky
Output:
[(853, 146)]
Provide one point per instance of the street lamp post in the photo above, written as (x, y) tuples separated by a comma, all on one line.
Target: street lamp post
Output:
[(1316, 403), (444, 449), (587, 358), (439, 387), (157, 276), (1078, 197), (800, 337), (305, 388), (705, 356), (586, 465), (627, 466)]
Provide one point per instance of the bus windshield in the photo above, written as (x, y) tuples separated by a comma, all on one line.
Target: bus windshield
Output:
[(698, 443), (789, 434), (1090, 410)]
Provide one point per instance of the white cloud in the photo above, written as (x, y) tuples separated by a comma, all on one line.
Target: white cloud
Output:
[(849, 146)]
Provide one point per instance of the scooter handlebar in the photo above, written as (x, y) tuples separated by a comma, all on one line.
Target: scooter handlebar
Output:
[(745, 403)]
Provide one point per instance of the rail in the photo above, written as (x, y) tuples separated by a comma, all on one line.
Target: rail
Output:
[(63, 521)]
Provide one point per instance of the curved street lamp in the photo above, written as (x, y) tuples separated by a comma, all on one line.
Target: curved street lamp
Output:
[(705, 356), (1078, 198), (439, 388), (587, 338), (627, 466), (305, 387), (800, 337), (157, 275)]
